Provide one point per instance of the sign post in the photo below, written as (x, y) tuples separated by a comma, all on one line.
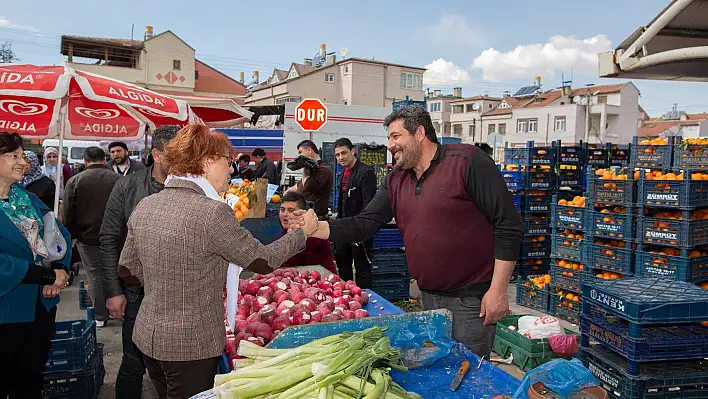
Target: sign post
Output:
[(311, 115)]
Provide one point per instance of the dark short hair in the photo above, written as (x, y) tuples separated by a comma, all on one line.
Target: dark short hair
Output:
[(9, 142), (163, 135), (118, 144), (94, 154), (258, 152), (310, 145), (343, 142), (244, 158), (293, 196), (412, 117)]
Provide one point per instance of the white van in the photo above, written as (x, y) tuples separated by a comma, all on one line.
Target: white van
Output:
[(73, 149)]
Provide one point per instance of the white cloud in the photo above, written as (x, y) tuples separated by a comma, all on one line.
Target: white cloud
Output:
[(6, 23), (442, 72), (453, 31), (559, 54)]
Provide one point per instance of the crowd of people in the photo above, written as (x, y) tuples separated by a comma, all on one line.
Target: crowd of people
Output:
[(157, 240)]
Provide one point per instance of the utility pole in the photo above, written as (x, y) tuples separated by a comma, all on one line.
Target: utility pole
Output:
[(587, 113)]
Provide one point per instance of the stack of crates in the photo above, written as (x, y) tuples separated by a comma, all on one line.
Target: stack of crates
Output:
[(610, 224), (569, 162), (374, 156), (641, 337), (389, 269), (568, 225), (74, 369), (618, 155)]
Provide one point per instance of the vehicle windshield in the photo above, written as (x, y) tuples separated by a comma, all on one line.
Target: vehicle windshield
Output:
[(77, 152)]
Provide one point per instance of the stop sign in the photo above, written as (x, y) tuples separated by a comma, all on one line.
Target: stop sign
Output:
[(311, 114)]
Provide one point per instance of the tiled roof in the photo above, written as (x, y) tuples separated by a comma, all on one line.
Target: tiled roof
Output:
[(281, 74), (303, 69), (598, 90), (105, 40), (697, 117), (655, 128), (513, 101), (476, 98)]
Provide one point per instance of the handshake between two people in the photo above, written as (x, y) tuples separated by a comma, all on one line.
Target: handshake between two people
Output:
[(308, 222), (61, 281)]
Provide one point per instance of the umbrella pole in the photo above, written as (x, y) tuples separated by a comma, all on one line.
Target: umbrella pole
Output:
[(60, 167)]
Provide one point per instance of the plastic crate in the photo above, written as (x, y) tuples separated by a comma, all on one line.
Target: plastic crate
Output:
[(558, 279), (689, 156), (598, 157), (381, 171), (529, 155), (651, 156), (568, 217), (388, 239), (371, 154), (670, 232), (533, 201), (536, 180), (683, 268), (73, 343), (612, 192), (619, 155), (531, 298), (388, 261), (327, 150), (84, 297), (83, 384), (535, 250), (614, 226), (536, 224), (647, 300), (392, 286), (567, 248), (658, 343), (666, 380), (569, 178), (564, 309), (611, 259), (677, 194), (531, 267), (570, 155), (525, 360)]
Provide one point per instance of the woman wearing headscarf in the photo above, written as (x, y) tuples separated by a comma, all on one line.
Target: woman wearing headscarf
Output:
[(34, 260), (36, 182), (51, 163)]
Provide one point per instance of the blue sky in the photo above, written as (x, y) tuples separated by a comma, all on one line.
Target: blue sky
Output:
[(454, 38)]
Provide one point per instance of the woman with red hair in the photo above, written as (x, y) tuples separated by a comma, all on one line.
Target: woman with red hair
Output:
[(180, 244)]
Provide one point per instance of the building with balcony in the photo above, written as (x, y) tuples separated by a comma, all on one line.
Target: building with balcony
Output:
[(162, 63), (440, 108), (466, 117), (351, 81)]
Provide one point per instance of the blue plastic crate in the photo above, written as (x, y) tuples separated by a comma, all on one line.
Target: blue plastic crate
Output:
[(619, 155), (683, 267), (567, 248), (570, 155), (689, 156), (531, 298), (535, 250), (665, 380), (535, 180), (651, 156), (73, 343), (568, 217), (648, 300), (529, 267), (608, 258), (612, 192), (658, 343), (565, 309), (598, 157), (670, 232), (564, 281), (83, 384), (388, 239), (388, 261), (529, 155), (614, 226), (392, 286), (536, 224), (677, 194), (572, 178)]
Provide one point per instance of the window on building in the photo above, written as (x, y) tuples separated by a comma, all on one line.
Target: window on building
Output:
[(491, 106), (177, 65), (411, 81), (196, 75), (329, 77), (491, 128), (473, 132), (292, 74), (346, 69), (533, 125), (458, 109), (469, 108), (559, 123), (502, 128), (602, 99), (521, 126), (434, 107)]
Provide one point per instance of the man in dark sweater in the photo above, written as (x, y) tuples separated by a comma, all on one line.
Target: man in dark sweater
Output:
[(461, 230), (315, 185), (85, 198)]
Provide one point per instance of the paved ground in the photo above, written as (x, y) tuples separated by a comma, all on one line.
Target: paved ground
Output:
[(110, 336)]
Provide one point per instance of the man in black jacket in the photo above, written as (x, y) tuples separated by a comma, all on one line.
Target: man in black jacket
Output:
[(265, 167), (357, 186), (120, 162), (123, 292), (85, 198)]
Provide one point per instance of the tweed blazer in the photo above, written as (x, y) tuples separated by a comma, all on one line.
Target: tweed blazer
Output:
[(179, 245)]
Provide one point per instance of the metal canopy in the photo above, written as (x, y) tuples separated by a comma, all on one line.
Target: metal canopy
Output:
[(674, 46)]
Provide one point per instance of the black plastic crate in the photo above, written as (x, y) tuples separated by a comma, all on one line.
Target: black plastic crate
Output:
[(531, 298), (570, 155), (646, 155), (536, 224), (569, 176), (567, 248), (532, 201), (381, 172), (568, 217), (535, 249), (564, 278), (392, 286), (529, 155), (388, 261), (609, 258), (606, 223), (83, 384), (533, 179), (564, 308), (84, 296), (685, 233), (647, 300), (73, 344), (684, 194), (598, 156), (666, 380), (690, 154), (371, 154), (615, 191), (689, 265), (388, 239), (531, 267), (619, 155)]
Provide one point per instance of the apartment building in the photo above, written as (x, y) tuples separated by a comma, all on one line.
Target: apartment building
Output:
[(440, 108), (675, 123), (351, 81), (466, 117), (164, 63)]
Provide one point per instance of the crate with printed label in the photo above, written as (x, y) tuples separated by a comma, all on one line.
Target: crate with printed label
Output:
[(672, 228)]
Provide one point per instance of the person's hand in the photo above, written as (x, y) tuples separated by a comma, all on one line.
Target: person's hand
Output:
[(62, 279), (309, 222), (50, 291), (116, 305), (495, 305)]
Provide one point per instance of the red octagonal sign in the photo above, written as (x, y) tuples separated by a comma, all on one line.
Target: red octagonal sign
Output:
[(311, 114)]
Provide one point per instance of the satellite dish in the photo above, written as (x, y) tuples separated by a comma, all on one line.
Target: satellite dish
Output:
[(317, 60), (343, 52), (475, 106), (577, 100)]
